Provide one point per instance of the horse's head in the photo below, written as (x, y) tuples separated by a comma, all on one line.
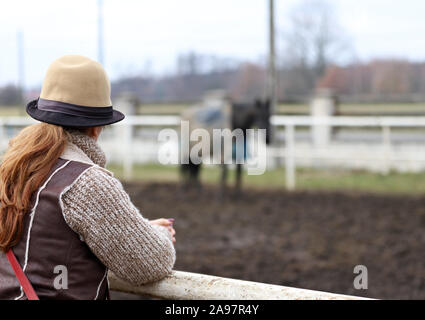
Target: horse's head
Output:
[(252, 115), (263, 112)]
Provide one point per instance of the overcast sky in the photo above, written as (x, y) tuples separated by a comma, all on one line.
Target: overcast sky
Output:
[(137, 31)]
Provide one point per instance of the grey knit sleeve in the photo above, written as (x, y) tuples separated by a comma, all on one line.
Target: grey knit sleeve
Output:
[(101, 212)]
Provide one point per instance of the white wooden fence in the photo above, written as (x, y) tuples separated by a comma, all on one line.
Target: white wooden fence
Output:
[(122, 141), (384, 123)]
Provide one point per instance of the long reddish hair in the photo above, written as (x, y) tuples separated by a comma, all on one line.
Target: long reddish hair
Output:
[(26, 164)]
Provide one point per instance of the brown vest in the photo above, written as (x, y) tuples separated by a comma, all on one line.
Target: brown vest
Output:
[(48, 243)]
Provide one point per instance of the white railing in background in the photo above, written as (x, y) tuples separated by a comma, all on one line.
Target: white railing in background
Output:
[(291, 122), (193, 286), (343, 121), (123, 137)]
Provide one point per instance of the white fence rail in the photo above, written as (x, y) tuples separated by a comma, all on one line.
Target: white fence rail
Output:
[(349, 121), (122, 141), (384, 123), (164, 121), (193, 286)]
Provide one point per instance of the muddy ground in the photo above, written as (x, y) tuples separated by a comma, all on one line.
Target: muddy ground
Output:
[(308, 240)]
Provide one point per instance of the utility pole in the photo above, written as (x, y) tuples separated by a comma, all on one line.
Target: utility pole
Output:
[(271, 78), (100, 55), (21, 67)]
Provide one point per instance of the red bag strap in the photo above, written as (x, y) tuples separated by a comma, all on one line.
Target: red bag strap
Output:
[(22, 278)]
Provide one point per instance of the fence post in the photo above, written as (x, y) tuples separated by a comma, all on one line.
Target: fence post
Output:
[(386, 142), (128, 154), (127, 103), (290, 156), (322, 106)]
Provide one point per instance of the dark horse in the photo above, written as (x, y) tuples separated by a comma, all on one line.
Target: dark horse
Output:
[(243, 116)]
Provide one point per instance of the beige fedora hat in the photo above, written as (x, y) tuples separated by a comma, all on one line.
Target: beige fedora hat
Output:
[(76, 92)]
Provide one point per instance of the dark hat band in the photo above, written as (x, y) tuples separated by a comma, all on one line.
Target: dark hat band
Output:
[(75, 110)]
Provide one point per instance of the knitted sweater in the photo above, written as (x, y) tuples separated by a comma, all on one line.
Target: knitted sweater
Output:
[(101, 212)]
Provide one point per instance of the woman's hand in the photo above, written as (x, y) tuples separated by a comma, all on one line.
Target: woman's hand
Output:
[(167, 223)]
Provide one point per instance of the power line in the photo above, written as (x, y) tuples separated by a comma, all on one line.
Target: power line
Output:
[(100, 31), (21, 66)]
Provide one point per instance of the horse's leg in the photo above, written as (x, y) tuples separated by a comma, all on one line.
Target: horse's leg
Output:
[(223, 184), (183, 174), (196, 172), (184, 179), (238, 184)]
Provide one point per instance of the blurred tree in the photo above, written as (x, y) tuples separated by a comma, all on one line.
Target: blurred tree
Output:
[(189, 63), (335, 78), (313, 41), (249, 82), (385, 80), (10, 95), (390, 77)]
